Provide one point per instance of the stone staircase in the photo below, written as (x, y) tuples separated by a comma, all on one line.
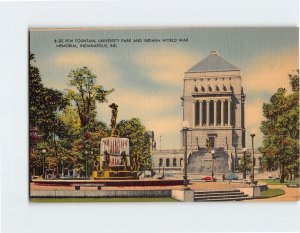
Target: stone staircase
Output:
[(219, 195), (200, 161)]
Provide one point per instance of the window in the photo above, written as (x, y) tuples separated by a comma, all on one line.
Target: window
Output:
[(224, 88), (204, 115), (174, 162), (196, 89), (160, 162), (181, 162), (167, 162), (226, 105), (211, 112), (202, 88), (197, 113)]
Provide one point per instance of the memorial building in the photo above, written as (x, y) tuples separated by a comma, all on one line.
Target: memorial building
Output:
[(214, 105)]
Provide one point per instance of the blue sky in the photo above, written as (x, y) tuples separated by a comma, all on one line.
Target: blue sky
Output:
[(148, 77)]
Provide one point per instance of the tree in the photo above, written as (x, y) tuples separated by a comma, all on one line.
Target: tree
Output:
[(280, 146), (71, 119), (139, 141), (245, 163), (86, 94), (44, 104)]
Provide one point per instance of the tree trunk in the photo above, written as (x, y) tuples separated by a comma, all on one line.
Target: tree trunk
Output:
[(282, 174)]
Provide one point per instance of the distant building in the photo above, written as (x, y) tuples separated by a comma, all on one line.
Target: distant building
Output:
[(169, 160), (214, 105)]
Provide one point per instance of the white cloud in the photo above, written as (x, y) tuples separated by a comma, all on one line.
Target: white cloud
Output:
[(166, 125), (152, 109), (169, 128), (156, 110), (63, 63), (148, 107), (263, 77), (270, 72), (165, 65), (253, 120)]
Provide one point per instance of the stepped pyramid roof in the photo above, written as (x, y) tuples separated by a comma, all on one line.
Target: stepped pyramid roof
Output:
[(213, 63)]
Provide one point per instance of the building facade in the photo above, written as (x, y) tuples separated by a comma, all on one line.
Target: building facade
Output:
[(168, 161), (214, 105)]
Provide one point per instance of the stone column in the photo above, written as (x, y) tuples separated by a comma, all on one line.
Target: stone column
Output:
[(222, 112), (207, 112), (229, 112), (200, 113), (215, 112)]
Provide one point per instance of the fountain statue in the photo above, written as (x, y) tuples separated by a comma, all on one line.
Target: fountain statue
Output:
[(115, 161), (113, 121)]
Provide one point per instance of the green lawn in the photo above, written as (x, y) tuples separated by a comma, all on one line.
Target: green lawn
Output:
[(276, 182), (271, 193), (116, 199)]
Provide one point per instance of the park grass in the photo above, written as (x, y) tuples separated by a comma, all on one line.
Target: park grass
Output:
[(277, 182), (272, 193), (113, 199)]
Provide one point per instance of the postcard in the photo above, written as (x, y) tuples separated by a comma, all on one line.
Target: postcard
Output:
[(187, 114)]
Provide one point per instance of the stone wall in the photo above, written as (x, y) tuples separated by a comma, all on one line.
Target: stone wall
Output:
[(100, 193), (200, 162)]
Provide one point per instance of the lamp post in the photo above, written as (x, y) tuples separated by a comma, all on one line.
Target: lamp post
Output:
[(160, 142), (86, 165), (213, 163), (43, 153), (252, 160), (244, 164), (185, 127)]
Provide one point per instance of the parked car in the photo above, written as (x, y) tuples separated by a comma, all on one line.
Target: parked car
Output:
[(208, 178), (231, 177)]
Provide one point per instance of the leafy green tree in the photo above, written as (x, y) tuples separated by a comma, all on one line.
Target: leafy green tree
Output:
[(245, 162), (139, 141), (281, 130), (71, 119), (86, 94), (86, 132), (36, 157), (44, 104)]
